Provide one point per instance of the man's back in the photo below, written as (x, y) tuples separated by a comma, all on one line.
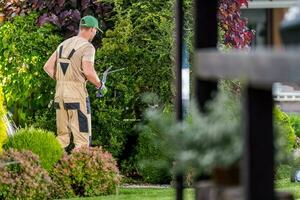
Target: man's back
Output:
[(70, 55)]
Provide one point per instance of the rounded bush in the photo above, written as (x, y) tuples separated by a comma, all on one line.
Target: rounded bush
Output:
[(22, 177), (40, 142), (86, 172)]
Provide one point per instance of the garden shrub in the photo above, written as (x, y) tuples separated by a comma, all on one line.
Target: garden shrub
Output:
[(140, 42), (3, 134), (283, 127), (283, 171), (152, 172), (202, 142), (295, 123), (86, 172), (44, 119), (26, 180), (24, 49), (40, 142)]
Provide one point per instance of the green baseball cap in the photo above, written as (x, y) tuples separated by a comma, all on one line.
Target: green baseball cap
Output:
[(90, 21)]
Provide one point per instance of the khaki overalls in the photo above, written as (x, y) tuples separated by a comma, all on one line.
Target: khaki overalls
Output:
[(73, 114)]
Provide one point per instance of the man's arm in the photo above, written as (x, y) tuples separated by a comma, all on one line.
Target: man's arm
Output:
[(49, 66), (90, 73)]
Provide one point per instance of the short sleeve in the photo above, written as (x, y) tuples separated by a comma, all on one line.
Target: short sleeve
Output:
[(89, 54)]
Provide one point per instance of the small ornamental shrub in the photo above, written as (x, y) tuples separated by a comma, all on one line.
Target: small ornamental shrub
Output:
[(25, 179), (86, 172), (40, 142)]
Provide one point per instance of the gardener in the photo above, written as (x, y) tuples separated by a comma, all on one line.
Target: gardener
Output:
[(71, 65)]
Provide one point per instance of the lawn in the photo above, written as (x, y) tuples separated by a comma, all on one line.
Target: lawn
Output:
[(169, 193), (144, 194), (286, 185)]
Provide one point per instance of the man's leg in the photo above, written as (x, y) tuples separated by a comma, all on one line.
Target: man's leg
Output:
[(62, 123), (80, 124)]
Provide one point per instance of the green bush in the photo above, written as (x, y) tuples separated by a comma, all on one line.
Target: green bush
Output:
[(286, 137), (86, 172), (26, 180), (3, 134), (24, 49), (44, 119), (295, 123), (154, 171), (40, 142), (140, 42), (283, 172)]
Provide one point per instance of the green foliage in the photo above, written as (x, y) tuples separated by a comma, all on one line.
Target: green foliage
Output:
[(40, 142), (44, 119), (285, 185), (153, 171), (25, 180), (3, 134), (201, 142), (141, 42), (295, 123), (283, 172), (86, 172), (205, 141), (285, 132), (24, 49)]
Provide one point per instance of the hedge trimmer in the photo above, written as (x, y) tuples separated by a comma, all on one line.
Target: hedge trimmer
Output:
[(103, 90)]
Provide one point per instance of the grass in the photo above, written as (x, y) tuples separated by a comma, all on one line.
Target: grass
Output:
[(144, 194), (169, 193), (286, 185)]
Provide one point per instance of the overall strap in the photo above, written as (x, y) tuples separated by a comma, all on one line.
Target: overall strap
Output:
[(60, 51)]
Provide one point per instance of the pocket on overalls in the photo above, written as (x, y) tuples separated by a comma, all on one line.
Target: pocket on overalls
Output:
[(78, 105)]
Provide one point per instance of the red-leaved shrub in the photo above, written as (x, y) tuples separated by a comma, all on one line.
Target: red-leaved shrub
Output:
[(86, 172), (22, 177)]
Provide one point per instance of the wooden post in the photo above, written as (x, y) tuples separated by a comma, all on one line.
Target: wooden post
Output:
[(178, 68), (259, 148), (178, 59), (206, 36), (204, 92)]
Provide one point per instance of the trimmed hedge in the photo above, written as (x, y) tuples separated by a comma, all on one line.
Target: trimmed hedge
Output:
[(40, 142)]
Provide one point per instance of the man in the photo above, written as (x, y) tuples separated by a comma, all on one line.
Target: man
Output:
[(71, 65)]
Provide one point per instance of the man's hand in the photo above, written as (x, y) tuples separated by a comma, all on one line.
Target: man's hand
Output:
[(101, 91)]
